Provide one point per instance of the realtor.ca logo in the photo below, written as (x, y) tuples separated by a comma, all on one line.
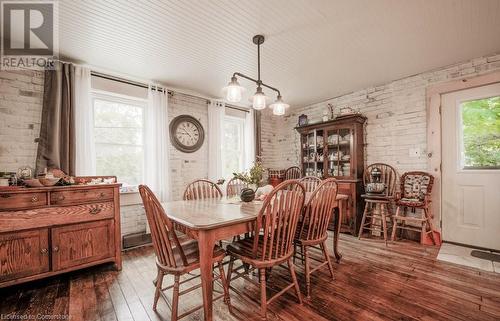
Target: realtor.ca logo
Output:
[(29, 39)]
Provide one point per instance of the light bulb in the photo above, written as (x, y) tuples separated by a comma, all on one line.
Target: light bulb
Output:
[(233, 91), (259, 99), (279, 106)]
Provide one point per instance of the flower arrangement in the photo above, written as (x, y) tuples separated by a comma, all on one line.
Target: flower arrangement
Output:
[(254, 176)]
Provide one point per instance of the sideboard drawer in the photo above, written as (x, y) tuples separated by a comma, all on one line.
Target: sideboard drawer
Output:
[(81, 196), (12, 201)]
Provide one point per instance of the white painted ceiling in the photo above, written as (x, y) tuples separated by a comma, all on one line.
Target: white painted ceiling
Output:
[(314, 49)]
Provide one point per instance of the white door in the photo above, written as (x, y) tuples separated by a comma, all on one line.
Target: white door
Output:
[(470, 121)]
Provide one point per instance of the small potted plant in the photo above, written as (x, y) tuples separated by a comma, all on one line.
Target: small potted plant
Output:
[(253, 178)]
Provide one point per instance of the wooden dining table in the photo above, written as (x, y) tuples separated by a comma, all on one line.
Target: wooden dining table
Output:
[(211, 220)]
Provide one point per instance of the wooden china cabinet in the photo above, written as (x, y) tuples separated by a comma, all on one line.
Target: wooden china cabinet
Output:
[(335, 149)]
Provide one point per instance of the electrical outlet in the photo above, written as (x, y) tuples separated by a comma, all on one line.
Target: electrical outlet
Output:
[(414, 152)]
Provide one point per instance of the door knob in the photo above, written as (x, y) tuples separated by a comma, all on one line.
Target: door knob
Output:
[(44, 251), (55, 249)]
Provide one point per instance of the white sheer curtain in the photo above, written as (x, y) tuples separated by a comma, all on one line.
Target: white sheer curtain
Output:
[(216, 113), (249, 139), (84, 123), (156, 143)]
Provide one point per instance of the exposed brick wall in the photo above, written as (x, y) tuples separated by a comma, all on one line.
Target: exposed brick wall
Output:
[(396, 115), (21, 94)]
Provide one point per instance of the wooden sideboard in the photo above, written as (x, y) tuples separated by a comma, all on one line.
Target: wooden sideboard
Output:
[(51, 230)]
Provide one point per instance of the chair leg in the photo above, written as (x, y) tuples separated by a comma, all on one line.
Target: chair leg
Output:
[(327, 258), (294, 279), (308, 274), (363, 220), (159, 282), (395, 224), (263, 296), (175, 297), (384, 221), (230, 270), (224, 284), (429, 222)]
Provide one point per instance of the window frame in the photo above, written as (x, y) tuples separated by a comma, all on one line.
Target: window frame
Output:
[(96, 94)]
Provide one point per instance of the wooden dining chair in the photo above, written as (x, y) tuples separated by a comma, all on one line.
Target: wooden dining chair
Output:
[(272, 240), (416, 188), (378, 206), (234, 187), (310, 183), (202, 189), (312, 230), (293, 173), (175, 258)]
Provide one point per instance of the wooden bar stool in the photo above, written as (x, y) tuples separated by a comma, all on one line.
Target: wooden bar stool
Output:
[(380, 183)]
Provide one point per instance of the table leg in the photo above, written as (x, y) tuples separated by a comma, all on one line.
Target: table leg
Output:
[(336, 232), (206, 244)]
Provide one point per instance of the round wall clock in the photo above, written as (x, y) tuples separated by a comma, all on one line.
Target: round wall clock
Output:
[(186, 133)]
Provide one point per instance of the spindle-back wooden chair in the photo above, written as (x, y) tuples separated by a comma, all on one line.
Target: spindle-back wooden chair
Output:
[(293, 173), (235, 186), (312, 230), (202, 189), (378, 206), (310, 183), (175, 258), (272, 240)]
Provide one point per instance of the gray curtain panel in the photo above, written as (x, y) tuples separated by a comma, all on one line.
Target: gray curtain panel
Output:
[(56, 145)]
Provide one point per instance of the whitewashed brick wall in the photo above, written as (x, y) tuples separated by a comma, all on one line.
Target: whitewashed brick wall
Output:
[(396, 114), (21, 94)]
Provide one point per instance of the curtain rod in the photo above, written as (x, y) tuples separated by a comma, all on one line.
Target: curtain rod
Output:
[(143, 85)]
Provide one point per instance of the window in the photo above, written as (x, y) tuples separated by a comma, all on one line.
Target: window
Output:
[(233, 150), (480, 133), (119, 137)]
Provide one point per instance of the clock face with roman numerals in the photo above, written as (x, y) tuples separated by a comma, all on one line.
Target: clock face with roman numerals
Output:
[(186, 133)]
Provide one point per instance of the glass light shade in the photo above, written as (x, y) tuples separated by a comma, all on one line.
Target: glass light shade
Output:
[(259, 100), (279, 107), (233, 91)]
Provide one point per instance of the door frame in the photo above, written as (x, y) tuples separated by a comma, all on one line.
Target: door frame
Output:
[(433, 104)]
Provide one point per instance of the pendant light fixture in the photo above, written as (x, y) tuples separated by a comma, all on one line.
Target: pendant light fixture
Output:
[(234, 91)]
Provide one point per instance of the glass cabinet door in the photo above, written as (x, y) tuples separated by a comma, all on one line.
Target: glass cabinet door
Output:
[(339, 142), (313, 153)]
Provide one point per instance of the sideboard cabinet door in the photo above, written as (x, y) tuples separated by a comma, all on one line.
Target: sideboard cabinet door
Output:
[(23, 254), (79, 244)]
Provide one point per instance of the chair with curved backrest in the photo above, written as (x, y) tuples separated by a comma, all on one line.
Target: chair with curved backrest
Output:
[(172, 257), (310, 183), (293, 173), (272, 240), (377, 206), (201, 189), (313, 229), (416, 188), (234, 187)]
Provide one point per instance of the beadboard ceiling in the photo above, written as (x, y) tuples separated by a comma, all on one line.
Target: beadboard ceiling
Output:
[(314, 49)]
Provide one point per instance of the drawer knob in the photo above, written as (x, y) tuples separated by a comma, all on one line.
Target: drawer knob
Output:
[(94, 210), (102, 194), (61, 198), (44, 251), (34, 199), (55, 249)]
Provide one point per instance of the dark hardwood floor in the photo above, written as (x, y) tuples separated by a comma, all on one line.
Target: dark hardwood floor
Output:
[(400, 282)]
